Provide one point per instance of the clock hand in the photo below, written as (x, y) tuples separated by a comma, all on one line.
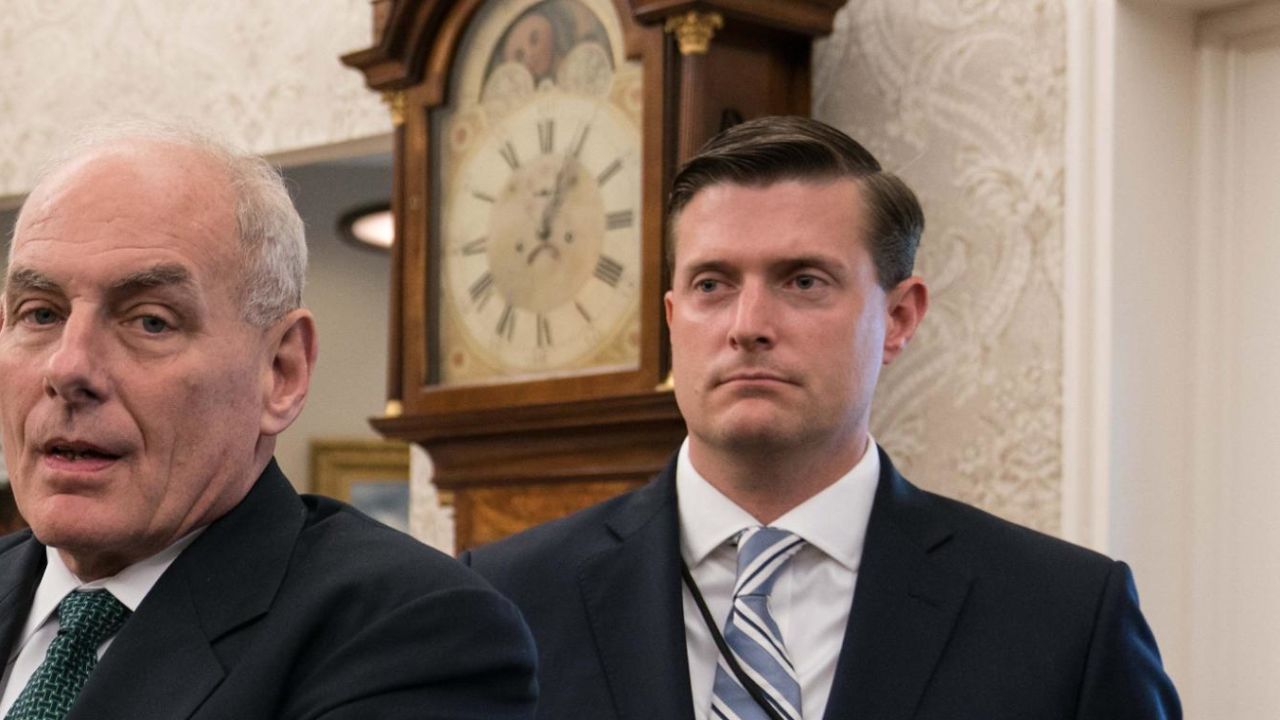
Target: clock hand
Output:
[(553, 206)]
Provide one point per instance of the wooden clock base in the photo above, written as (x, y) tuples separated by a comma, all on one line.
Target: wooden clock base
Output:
[(512, 468)]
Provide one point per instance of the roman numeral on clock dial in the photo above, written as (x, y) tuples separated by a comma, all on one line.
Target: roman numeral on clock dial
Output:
[(544, 331), (619, 220), (508, 152), (609, 171), (609, 271), (507, 323), (547, 135), (481, 289)]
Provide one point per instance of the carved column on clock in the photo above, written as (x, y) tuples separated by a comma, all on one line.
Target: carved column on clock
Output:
[(737, 59), (514, 452)]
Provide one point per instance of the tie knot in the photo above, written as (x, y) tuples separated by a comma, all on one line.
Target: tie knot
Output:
[(762, 554), (92, 616)]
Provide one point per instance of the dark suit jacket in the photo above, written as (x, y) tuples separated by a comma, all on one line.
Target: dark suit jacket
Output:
[(292, 607), (957, 615)]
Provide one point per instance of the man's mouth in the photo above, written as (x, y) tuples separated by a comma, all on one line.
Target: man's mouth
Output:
[(753, 384), (753, 376), (74, 451)]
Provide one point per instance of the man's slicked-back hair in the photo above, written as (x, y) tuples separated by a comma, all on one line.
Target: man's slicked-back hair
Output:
[(774, 149), (272, 237)]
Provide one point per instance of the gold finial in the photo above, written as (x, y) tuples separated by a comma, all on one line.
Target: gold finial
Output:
[(394, 409), (667, 385), (694, 30), (395, 102)]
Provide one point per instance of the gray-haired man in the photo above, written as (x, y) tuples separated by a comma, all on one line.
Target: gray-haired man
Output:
[(152, 346)]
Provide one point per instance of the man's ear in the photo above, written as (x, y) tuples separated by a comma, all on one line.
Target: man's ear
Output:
[(905, 306), (666, 303), (293, 359)]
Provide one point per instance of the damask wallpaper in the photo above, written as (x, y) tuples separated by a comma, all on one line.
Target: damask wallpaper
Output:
[(966, 100), (265, 74)]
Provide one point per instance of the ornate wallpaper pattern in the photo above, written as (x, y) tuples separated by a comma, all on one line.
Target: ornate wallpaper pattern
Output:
[(966, 100), (266, 74)]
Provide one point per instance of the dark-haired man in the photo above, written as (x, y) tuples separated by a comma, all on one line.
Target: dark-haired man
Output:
[(780, 567)]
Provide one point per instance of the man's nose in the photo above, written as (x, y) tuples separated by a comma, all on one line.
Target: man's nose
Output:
[(74, 372), (754, 322)]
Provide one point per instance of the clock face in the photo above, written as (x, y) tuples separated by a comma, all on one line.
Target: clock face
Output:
[(542, 253), (537, 253)]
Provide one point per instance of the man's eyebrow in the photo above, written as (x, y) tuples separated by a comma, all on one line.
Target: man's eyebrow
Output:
[(701, 266), (820, 262), (781, 265), (160, 276), (28, 280)]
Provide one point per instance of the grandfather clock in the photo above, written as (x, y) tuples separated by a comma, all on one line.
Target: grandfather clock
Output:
[(534, 143)]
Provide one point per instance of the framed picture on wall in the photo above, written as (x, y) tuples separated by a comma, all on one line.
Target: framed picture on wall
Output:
[(372, 475)]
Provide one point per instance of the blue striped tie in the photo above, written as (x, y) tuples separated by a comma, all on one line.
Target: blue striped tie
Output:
[(752, 635)]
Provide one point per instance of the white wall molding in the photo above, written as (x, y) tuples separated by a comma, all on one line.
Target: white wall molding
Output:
[(430, 520), (1233, 570), (1087, 230)]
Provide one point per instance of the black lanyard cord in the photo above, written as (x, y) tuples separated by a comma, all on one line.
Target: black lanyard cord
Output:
[(752, 688)]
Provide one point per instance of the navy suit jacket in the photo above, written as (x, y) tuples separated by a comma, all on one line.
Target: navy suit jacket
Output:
[(291, 608), (957, 615)]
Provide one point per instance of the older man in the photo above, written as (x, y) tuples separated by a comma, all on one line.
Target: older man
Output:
[(780, 567), (152, 347)]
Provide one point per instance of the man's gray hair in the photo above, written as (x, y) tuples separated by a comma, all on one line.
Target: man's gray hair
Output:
[(273, 246)]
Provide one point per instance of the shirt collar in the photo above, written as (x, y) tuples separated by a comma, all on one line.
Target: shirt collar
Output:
[(839, 534), (708, 518), (129, 586)]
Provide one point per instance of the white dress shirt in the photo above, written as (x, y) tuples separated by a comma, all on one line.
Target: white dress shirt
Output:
[(813, 595), (129, 586)]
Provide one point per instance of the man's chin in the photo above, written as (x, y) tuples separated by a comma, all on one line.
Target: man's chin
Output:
[(72, 526), (757, 435), (91, 553), (68, 537)]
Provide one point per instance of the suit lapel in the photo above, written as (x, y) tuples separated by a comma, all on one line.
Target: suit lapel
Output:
[(160, 665), (633, 599), (168, 650), (904, 608), (21, 567)]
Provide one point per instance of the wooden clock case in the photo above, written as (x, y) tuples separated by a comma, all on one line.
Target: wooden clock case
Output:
[(515, 454)]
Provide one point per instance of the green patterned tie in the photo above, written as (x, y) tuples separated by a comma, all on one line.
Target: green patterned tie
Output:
[(85, 620)]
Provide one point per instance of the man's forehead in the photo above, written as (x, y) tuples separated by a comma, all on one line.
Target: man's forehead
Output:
[(119, 222), (148, 194), (154, 174), (780, 221)]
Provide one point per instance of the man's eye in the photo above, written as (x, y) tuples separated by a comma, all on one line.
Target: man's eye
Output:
[(806, 282), (43, 316), (153, 325), (706, 285)]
